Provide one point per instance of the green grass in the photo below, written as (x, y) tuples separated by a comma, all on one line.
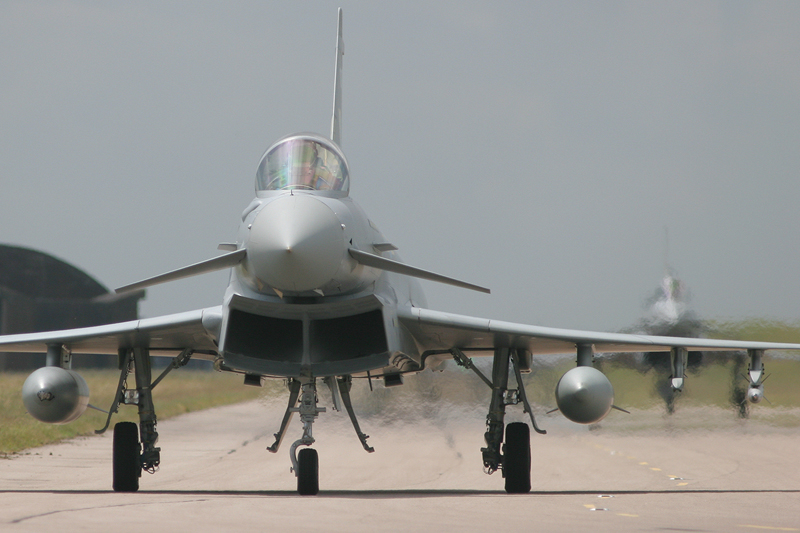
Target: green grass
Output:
[(711, 385), (755, 329), (183, 391)]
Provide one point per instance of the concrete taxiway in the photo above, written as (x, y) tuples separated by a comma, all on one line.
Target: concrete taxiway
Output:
[(647, 472)]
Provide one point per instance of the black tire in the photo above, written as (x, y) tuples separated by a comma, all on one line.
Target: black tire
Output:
[(127, 469), (517, 458), (307, 472)]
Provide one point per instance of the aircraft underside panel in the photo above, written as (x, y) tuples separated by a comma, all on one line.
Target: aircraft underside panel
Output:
[(317, 345)]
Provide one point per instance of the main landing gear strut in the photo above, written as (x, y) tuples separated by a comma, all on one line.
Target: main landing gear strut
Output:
[(130, 456), (305, 463), (513, 457)]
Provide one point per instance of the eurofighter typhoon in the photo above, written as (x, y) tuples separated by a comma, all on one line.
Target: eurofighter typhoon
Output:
[(319, 297)]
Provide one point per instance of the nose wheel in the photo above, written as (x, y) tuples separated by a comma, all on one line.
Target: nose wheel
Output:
[(305, 463), (307, 472)]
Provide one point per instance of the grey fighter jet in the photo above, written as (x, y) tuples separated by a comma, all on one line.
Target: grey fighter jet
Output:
[(318, 297)]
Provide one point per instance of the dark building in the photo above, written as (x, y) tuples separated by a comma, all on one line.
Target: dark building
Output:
[(41, 293)]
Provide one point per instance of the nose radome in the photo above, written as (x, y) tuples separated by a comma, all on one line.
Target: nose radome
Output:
[(295, 244)]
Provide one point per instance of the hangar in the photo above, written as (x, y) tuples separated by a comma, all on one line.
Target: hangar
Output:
[(41, 293)]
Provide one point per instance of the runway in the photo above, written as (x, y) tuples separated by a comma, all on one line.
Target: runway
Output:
[(647, 472)]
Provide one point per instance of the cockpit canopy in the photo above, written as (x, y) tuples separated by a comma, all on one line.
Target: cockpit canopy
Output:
[(303, 162)]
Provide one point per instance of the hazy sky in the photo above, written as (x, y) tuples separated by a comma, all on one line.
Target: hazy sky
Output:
[(537, 148)]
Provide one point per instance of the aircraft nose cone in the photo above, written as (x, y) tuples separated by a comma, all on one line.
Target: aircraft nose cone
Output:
[(295, 244)]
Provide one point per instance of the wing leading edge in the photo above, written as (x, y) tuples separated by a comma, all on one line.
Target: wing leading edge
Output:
[(438, 330), (163, 336)]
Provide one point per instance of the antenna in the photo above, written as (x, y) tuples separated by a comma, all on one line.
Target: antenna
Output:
[(336, 121)]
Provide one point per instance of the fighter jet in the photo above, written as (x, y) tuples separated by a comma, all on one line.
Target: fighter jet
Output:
[(319, 297), (668, 314)]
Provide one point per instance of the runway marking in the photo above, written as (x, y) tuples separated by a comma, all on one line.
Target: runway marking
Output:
[(628, 515), (593, 507), (770, 528), (633, 458)]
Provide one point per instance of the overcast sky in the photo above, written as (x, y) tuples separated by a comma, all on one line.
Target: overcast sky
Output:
[(537, 148)]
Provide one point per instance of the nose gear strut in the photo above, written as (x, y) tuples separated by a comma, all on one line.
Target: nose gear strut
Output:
[(305, 463), (309, 411)]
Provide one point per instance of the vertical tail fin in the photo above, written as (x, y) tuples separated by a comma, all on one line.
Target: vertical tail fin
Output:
[(336, 122)]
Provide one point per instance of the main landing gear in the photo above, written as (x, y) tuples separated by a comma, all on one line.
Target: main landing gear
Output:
[(305, 463), (130, 456), (514, 456)]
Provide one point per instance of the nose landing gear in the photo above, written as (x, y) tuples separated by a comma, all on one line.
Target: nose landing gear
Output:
[(305, 463)]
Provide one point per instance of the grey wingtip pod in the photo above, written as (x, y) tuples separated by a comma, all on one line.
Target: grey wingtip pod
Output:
[(336, 121)]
